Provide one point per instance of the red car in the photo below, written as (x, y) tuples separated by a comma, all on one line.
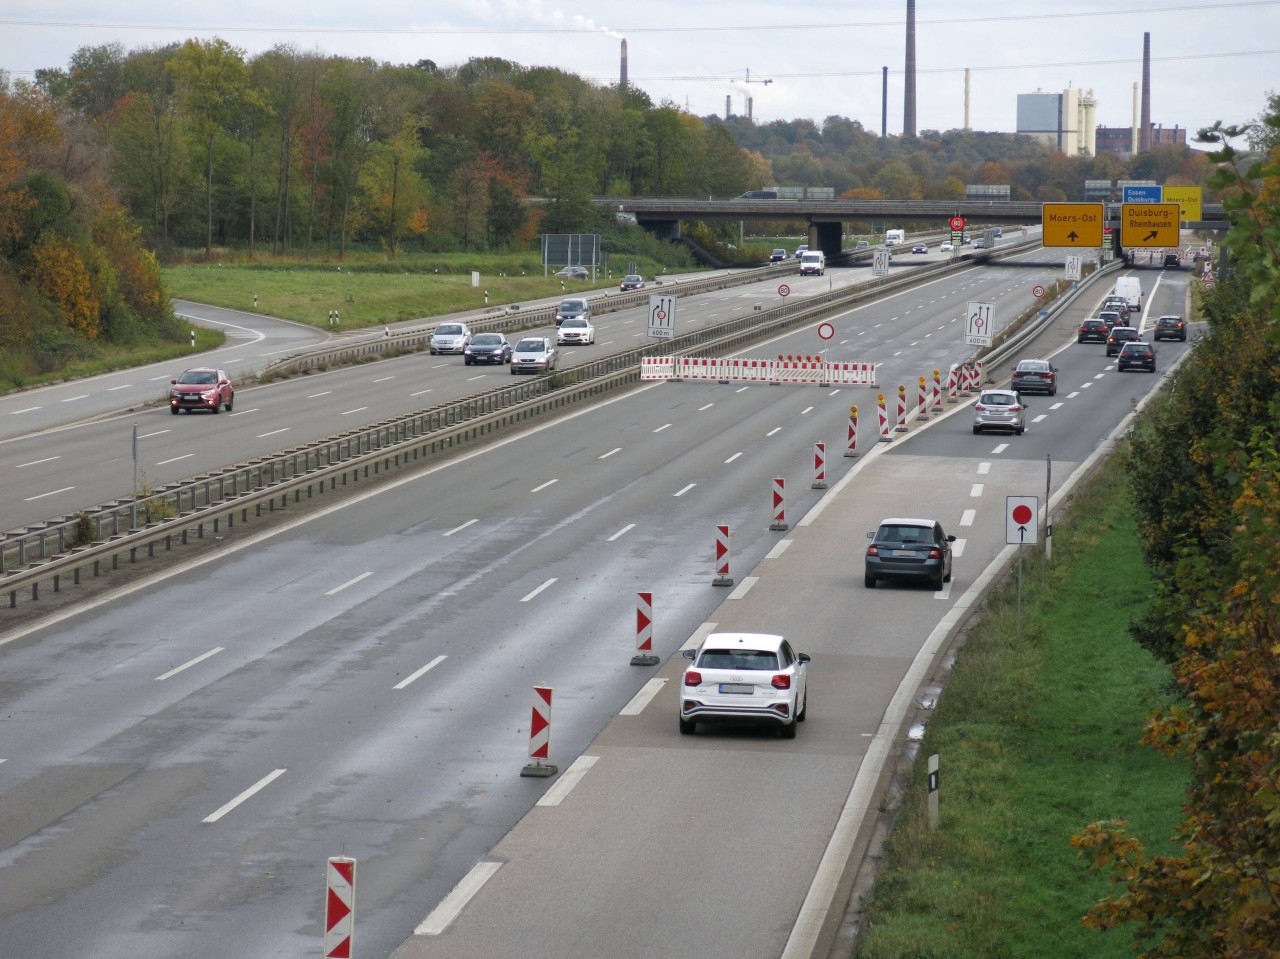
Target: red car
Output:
[(201, 388)]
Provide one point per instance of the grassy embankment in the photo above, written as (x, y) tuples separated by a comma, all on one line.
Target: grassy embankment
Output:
[(1037, 736)]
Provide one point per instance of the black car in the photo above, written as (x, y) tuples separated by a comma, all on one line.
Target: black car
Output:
[(1118, 337), (1136, 355), (1117, 304), (1093, 329), (1172, 261), (487, 348), (909, 549), (1111, 318), (1170, 328), (1035, 376)]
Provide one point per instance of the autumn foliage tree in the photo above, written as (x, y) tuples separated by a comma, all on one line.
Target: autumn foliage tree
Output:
[(1215, 540)]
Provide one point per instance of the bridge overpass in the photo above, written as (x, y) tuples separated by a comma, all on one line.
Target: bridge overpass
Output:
[(826, 218)]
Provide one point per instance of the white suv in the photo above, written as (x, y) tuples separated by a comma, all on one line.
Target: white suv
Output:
[(745, 678)]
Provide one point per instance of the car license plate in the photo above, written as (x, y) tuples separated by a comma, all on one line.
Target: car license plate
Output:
[(740, 688), (909, 553)]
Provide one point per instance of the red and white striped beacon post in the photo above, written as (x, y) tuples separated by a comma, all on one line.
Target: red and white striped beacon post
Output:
[(884, 419), (644, 631), (977, 384), (540, 735), (722, 558), (937, 391), (901, 422), (953, 385), (852, 449), (779, 505), (922, 406), (819, 466), (339, 908)]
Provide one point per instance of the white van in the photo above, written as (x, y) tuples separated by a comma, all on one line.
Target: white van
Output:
[(1130, 287), (894, 237), (813, 263)]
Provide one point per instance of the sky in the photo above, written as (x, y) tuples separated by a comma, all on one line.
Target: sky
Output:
[(1211, 60)]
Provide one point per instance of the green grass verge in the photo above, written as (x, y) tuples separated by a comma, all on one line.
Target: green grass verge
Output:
[(370, 291), (1037, 736)]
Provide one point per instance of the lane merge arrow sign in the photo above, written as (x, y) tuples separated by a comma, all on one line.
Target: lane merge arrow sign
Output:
[(1021, 526)]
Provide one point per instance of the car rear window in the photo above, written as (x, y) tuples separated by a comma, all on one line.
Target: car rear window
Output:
[(905, 534), (738, 659)]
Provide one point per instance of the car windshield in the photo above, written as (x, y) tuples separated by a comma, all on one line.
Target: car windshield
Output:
[(531, 346), (738, 659), (1034, 366), (632, 278), (571, 306), (574, 324), (449, 329), (487, 339), (904, 534), (199, 378)]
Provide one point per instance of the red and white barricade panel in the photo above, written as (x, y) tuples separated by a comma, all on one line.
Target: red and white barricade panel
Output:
[(697, 368), (851, 374), (657, 367), (799, 371), (752, 371)]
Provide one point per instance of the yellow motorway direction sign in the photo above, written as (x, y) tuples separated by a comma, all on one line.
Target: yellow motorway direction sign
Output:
[(1187, 197), (1071, 224), (1149, 225)]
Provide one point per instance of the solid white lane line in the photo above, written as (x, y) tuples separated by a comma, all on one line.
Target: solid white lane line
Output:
[(147, 436), (383, 379), (707, 407), (459, 529), (685, 490), (47, 459), (112, 389), (175, 459), (72, 399), (662, 427), (191, 662), (29, 409), (350, 582), (568, 779), (776, 429), (421, 672), (530, 596), (744, 587), (261, 784), (779, 548), (283, 429), (360, 409), (967, 517), (642, 699), (539, 489), (443, 915), (252, 409), (732, 458), (622, 532), (420, 392), (50, 493), (605, 456), (318, 395)]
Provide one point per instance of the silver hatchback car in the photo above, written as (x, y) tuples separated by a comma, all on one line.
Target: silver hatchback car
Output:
[(999, 410)]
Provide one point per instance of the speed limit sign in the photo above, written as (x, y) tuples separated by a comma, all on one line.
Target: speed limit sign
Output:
[(1037, 291), (957, 223), (784, 290)]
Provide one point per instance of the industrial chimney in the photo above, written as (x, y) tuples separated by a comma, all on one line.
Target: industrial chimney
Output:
[(1144, 134), (622, 73), (909, 87)]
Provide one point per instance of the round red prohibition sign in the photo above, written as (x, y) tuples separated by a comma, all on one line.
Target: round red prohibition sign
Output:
[(660, 314), (1022, 514), (957, 223), (1037, 291), (826, 331), (784, 290)]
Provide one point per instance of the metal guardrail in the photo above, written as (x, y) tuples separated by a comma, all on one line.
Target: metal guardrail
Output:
[(63, 548)]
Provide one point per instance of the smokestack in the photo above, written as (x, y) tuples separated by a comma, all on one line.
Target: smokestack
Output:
[(909, 88), (622, 72), (1133, 134), (966, 98), (884, 101), (1144, 136), (727, 107), (751, 109)]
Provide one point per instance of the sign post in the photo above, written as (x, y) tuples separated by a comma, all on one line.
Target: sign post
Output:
[(981, 323), (1021, 527), (662, 316)]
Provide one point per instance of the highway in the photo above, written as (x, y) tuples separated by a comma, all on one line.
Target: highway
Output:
[(179, 761), (50, 472)]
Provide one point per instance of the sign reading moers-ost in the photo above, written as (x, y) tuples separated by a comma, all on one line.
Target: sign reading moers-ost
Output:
[(1149, 225), (1072, 224)]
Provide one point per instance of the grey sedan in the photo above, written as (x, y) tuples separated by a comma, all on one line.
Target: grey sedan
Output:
[(909, 548)]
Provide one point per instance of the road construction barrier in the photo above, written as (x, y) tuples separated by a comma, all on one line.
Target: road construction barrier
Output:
[(540, 735), (978, 376), (937, 391), (779, 505), (339, 907), (819, 466), (953, 385), (901, 422), (800, 370), (884, 419), (852, 448), (644, 632), (922, 405), (722, 558)]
